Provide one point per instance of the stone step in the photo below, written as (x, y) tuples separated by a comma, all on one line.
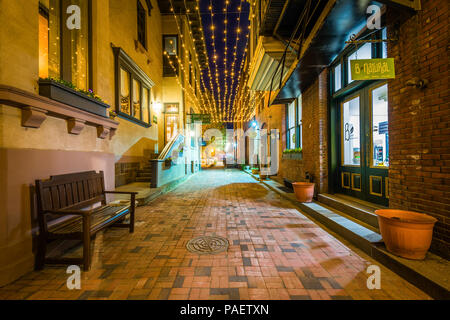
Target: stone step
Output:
[(431, 275), (143, 179), (144, 174), (360, 210)]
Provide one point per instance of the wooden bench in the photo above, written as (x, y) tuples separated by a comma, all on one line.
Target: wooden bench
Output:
[(77, 204)]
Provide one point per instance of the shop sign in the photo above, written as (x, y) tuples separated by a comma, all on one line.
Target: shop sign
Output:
[(372, 69), (200, 117)]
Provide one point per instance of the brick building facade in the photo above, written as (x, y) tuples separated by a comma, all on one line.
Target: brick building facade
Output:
[(418, 173), (419, 119)]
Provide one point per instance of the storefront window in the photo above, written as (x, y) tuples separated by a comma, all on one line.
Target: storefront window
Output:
[(380, 136), (365, 52), (337, 77), (137, 99), (133, 96), (146, 105), (72, 62), (78, 46), (49, 39), (125, 92), (350, 132)]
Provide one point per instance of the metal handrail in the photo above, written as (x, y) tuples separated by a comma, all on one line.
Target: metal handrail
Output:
[(165, 153)]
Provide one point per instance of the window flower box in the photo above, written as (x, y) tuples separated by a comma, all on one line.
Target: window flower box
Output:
[(58, 92), (292, 156)]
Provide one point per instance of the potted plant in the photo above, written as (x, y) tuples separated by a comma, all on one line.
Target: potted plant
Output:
[(255, 170), (67, 93), (407, 234), (168, 162), (304, 191), (112, 115)]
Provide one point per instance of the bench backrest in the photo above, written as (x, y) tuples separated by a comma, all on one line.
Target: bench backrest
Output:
[(69, 190)]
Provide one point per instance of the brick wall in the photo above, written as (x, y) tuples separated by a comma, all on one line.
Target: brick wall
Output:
[(315, 137), (419, 130)]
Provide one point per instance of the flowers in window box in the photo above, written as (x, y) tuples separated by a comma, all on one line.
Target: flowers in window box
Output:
[(289, 151), (90, 93), (112, 114)]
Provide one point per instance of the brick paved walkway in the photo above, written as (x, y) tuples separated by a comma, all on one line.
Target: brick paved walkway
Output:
[(274, 253)]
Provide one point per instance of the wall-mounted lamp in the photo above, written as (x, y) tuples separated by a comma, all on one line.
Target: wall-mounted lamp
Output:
[(418, 83), (157, 106)]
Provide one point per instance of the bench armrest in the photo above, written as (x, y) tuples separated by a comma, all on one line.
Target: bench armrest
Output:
[(83, 213), (122, 192)]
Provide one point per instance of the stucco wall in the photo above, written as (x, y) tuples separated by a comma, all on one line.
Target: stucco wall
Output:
[(27, 154)]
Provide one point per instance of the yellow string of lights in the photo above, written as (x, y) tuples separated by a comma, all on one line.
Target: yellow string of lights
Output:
[(205, 108)]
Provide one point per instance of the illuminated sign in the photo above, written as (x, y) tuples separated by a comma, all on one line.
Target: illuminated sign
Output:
[(372, 69)]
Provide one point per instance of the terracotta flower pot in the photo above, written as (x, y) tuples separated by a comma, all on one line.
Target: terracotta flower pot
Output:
[(304, 191), (406, 233)]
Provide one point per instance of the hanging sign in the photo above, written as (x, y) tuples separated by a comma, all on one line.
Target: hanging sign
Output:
[(200, 117), (372, 69)]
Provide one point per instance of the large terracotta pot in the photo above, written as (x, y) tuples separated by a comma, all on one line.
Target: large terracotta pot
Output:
[(304, 191), (406, 233)]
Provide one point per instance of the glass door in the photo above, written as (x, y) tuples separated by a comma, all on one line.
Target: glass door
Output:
[(377, 145), (351, 168), (364, 145)]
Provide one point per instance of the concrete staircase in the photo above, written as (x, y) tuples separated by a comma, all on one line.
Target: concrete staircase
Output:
[(144, 174)]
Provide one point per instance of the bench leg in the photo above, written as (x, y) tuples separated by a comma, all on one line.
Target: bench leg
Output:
[(86, 244), (41, 252), (132, 211)]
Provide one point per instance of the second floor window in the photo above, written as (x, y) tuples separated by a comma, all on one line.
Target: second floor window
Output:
[(63, 52), (141, 24), (170, 43), (294, 124)]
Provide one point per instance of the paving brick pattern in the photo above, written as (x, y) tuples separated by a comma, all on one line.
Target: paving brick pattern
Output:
[(275, 253)]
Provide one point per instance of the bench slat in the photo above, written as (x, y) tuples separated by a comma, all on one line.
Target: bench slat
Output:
[(103, 215), (77, 191)]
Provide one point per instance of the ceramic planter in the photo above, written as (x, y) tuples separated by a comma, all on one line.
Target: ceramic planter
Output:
[(304, 191), (406, 233)]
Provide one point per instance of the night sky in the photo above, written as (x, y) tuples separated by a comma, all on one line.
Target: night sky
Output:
[(232, 15)]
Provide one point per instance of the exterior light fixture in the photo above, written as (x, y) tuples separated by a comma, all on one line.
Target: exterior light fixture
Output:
[(157, 106)]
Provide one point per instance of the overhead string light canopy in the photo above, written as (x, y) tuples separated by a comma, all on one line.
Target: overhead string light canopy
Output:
[(201, 100), (220, 56), (224, 19)]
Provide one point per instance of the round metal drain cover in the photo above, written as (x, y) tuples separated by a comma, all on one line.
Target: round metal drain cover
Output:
[(207, 245)]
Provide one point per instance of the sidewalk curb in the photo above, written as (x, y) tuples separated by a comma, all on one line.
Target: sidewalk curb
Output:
[(433, 289)]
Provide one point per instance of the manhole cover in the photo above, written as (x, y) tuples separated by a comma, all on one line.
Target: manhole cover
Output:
[(207, 245)]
